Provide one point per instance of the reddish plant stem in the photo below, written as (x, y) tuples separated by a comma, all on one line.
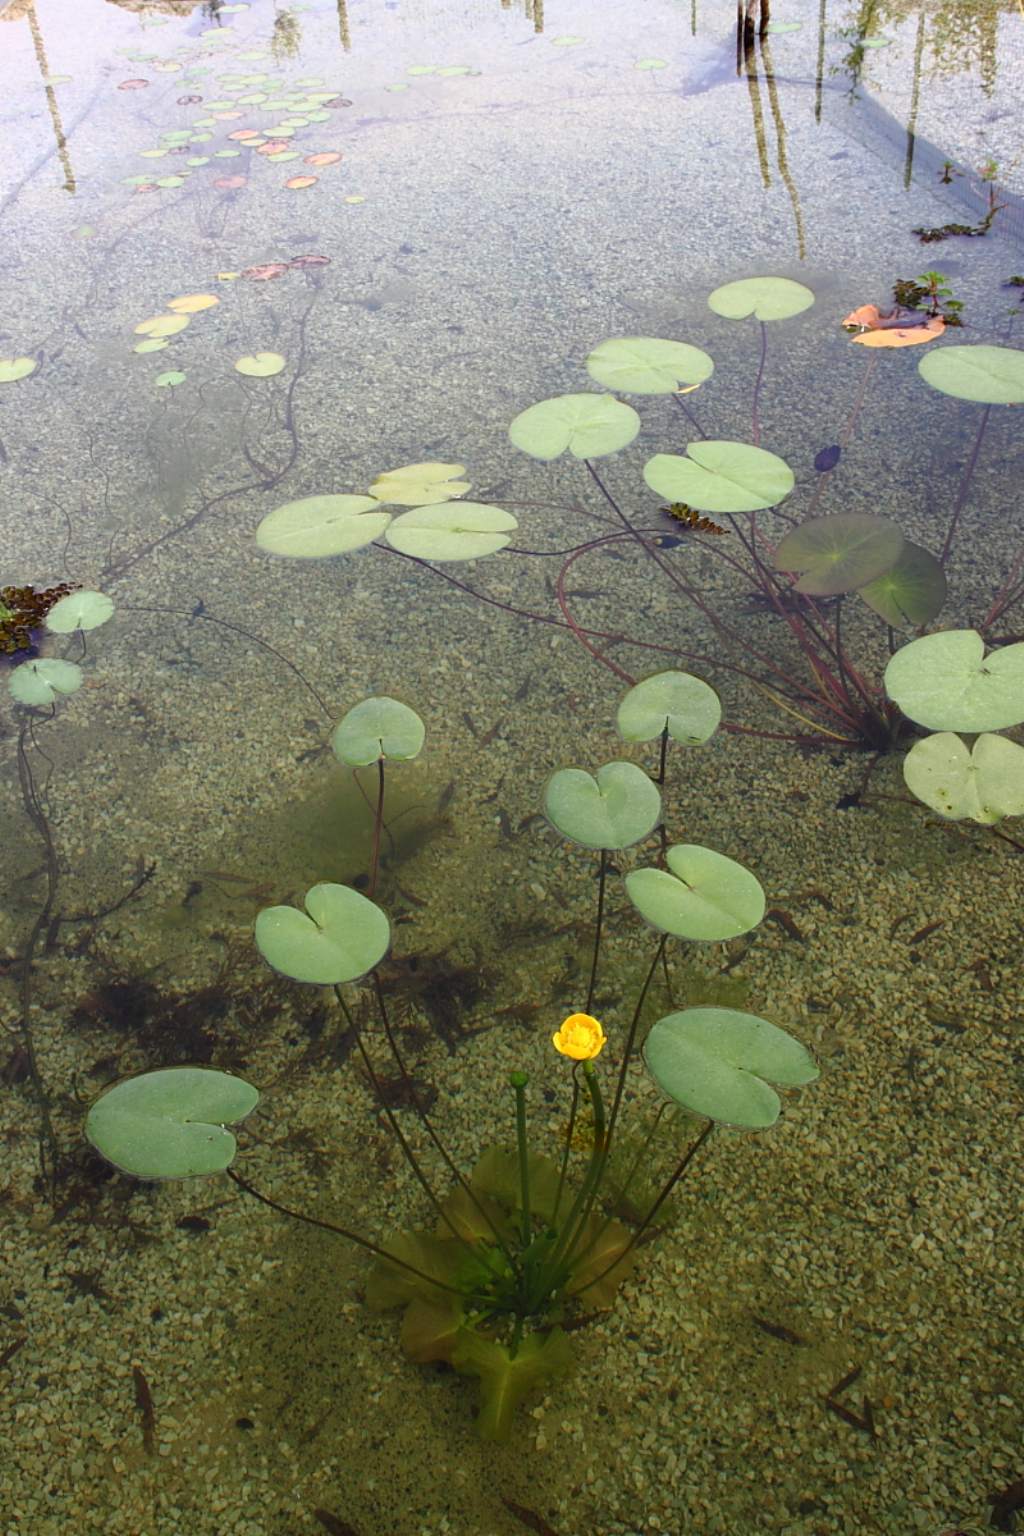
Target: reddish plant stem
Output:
[(965, 485)]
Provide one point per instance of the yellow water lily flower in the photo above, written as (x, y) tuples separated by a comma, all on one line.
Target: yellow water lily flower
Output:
[(580, 1037)]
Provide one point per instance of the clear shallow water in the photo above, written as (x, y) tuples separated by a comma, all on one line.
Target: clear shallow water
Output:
[(483, 232)]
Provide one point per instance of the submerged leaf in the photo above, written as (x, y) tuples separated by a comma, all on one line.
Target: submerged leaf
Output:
[(911, 592), (594, 1275), (497, 1175), (840, 553), (431, 1326), (505, 1381)]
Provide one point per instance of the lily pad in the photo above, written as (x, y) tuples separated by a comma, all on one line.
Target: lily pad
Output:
[(985, 782), (614, 808), (319, 526), (39, 682), (260, 365), (457, 530), (945, 682), (702, 895), (192, 303), (721, 1063), (170, 1124), (721, 477), (161, 325), (151, 344), (911, 592), (990, 375), (646, 365), (766, 298), (378, 728), (651, 64), (14, 368), (169, 380), (683, 705), (79, 610), (343, 937), (420, 485), (588, 426), (839, 554)]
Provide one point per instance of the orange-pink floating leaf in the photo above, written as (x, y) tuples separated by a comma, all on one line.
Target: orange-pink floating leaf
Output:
[(133, 85), (273, 147), (296, 183), (244, 133), (264, 273), (230, 183), (325, 157), (310, 261), (908, 336), (224, 117), (867, 314)]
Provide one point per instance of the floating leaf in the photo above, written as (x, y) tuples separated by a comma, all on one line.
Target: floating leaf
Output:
[(589, 426), (646, 365), (320, 526), (568, 41), (990, 375), (169, 380), (260, 365), (152, 344), (297, 183), (703, 895), (14, 368), (192, 303), (911, 592), (651, 64), (162, 325), (170, 1124), (420, 485), (344, 936), (985, 783), (766, 298), (79, 610), (612, 809), (266, 272), (324, 157), (505, 1380), (721, 477), (720, 1063), (683, 705), (839, 554), (458, 530), (910, 334), (945, 682), (39, 682), (377, 728)]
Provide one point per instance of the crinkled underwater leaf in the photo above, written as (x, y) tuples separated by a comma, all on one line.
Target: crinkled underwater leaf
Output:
[(39, 682), (441, 1259), (646, 365), (945, 682), (378, 727), (504, 1380), (497, 1174), (420, 485), (687, 707), (720, 477), (990, 375), (985, 782), (703, 895), (594, 1275), (720, 1063), (453, 530), (839, 554), (343, 936), (431, 1327), (319, 526), (613, 808), (766, 298), (79, 610), (589, 426), (170, 1124), (911, 592)]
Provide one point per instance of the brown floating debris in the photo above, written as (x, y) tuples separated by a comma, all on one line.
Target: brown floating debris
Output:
[(777, 1330), (144, 1403)]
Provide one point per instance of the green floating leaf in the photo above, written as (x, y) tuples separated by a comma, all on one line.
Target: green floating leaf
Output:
[(260, 365), (646, 365), (766, 298), (839, 554), (721, 477), (589, 426), (615, 808), (990, 375), (39, 682), (651, 64), (683, 705), (703, 895), (504, 1380), (454, 530), (169, 380), (945, 682), (170, 1124), (79, 610), (377, 728), (319, 526), (720, 1063), (985, 783), (912, 592), (344, 936), (420, 485), (14, 368)]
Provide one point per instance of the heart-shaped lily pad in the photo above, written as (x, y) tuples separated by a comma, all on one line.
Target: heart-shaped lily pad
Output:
[(991, 375), (702, 895), (911, 592), (79, 610), (646, 365), (946, 682), (344, 936), (170, 1124), (683, 705), (985, 783), (589, 426), (839, 554), (420, 485), (14, 368), (39, 682), (721, 477), (260, 365), (375, 728), (766, 298), (456, 530), (162, 325), (613, 808), (318, 526), (720, 1063)]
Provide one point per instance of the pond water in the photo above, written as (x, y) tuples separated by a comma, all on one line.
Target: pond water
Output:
[(258, 253)]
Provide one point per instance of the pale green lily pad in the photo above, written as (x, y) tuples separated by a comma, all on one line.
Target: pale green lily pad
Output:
[(912, 592), (646, 365), (79, 610), (169, 380), (721, 477), (876, 42), (449, 71), (170, 1124), (720, 1063), (766, 298), (589, 426), (170, 181), (945, 682), (651, 64), (260, 365), (703, 895), (990, 375), (612, 809), (39, 682), (452, 530), (568, 41), (151, 344), (984, 783), (343, 937), (683, 705), (420, 485), (14, 368), (422, 69), (839, 554), (376, 728), (319, 526)]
